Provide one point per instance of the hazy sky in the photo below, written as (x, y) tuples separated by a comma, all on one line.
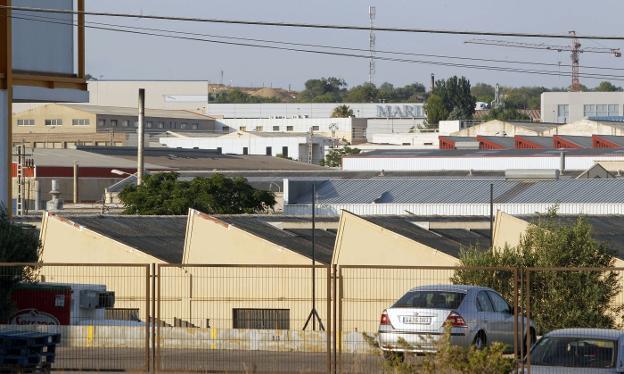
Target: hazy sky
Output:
[(124, 56)]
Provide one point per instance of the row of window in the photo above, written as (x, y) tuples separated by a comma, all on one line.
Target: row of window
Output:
[(148, 124), (269, 151), (594, 110), (276, 128)]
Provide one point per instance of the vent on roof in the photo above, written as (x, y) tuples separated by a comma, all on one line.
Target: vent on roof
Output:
[(532, 174)]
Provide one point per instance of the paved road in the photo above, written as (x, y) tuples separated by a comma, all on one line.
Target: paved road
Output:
[(212, 361)]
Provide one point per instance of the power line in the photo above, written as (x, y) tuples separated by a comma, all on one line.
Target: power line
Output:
[(326, 46), (316, 26), (381, 58)]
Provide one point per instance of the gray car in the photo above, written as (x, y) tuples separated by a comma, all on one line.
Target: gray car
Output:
[(579, 351), (477, 315)]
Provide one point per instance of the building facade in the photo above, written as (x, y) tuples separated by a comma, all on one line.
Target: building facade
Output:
[(565, 107), (67, 125)]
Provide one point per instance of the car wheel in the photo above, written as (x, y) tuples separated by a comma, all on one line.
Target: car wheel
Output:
[(396, 357), (480, 341)]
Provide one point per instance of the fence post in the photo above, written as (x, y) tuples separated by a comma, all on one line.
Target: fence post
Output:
[(335, 316), (516, 307), (340, 316), (329, 319), (528, 317), (148, 317)]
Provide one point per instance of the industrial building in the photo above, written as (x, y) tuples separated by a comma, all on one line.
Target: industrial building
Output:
[(480, 159), (341, 130), (455, 197), (297, 146), (566, 107), (68, 125)]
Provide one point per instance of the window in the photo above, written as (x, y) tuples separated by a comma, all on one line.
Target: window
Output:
[(113, 123), (500, 305), (315, 128), (276, 128), (161, 125), (261, 319), (483, 302), (53, 122), (259, 128), (174, 125), (183, 125), (242, 128), (575, 352), (430, 300), (563, 112), (149, 125), (600, 110), (136, 124), (101, 122), (245, 150), (25, 122), (124, 123), (289, 128), (285, 151), (194, 126), (269, 151), (80, 122)]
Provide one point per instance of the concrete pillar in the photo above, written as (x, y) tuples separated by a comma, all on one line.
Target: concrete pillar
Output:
[(5, 170)]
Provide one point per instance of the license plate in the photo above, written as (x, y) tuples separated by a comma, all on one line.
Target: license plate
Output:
[(416, 320)]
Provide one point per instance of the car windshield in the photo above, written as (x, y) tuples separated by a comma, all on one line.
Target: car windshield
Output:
[(430, 300), (574, 352)]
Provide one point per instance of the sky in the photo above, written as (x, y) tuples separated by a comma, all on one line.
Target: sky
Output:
[(112, 55)]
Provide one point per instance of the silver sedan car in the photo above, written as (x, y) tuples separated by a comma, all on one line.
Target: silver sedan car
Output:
[(579, 351), (477, 315)]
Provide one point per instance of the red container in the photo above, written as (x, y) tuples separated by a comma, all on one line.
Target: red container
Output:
[(41, 304)]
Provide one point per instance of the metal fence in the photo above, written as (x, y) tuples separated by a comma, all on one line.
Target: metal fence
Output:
[(275, 318)]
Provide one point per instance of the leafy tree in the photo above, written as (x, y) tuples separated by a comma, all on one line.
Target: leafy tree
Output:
[(414, 92), (558, 299), (483, 92), (506, 114), (324, 90), (435, 110), (334, 157), (365, 93), (163, 193), (523, 97), (237, 96), (607, 87), (17, 245), (455, 95), (342, 111)]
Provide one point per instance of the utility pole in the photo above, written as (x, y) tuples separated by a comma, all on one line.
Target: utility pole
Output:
[(141, 136), (371, 40), (6, 102)]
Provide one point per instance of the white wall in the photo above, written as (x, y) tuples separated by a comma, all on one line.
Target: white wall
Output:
[(377, 126), (309, 110), (390, 163), (576, 102), (425, 140), (256, 145)]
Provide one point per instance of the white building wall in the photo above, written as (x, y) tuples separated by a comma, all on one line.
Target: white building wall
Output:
[(455, 209), (576, 102), (422, 140), (255, 145), (308, 110), (390, 163)]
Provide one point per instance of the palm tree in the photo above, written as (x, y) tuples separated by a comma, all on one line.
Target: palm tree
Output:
[(342, 111)]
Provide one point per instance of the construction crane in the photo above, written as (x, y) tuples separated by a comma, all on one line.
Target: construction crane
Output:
[(574, 48)]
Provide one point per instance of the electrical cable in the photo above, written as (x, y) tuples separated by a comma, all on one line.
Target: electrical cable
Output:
[(315, 26)]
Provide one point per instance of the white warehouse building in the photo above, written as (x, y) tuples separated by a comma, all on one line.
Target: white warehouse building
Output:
[(298, 146), (566, 107), (351, 130)]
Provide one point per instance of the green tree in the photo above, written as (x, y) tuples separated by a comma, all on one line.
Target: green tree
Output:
[(18, 244), (558, 299), (435, 110), (483, 92), (607, 87), (163, 193), (364, 93), (334, 157), (456, 96), (506, 114), (237, 96), (324, 90), (342, 111)]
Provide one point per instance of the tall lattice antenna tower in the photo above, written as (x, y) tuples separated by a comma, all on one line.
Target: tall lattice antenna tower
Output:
[(574, 56), (371, 39)]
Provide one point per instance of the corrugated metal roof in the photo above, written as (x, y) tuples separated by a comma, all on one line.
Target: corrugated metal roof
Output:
[(462, 191), (583, 141), (133, 112), (544, 141)]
